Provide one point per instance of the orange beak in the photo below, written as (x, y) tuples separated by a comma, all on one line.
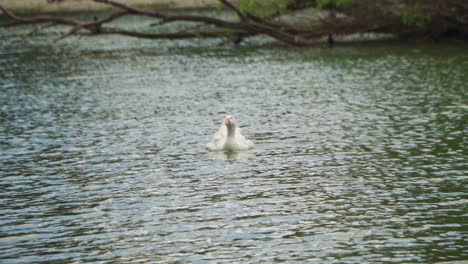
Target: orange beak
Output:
[(227, 122)]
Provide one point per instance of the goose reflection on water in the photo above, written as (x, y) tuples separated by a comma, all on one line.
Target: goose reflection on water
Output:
[(231, 155)]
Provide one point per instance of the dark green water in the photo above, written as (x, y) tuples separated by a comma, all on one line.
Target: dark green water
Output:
[(360, 154)]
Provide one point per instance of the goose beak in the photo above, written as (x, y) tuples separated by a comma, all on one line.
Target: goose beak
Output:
[(227, 122)]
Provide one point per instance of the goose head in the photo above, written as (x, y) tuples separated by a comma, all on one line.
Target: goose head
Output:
[(229, 121)]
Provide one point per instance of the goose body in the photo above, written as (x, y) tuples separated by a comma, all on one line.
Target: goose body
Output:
[(229, 137)]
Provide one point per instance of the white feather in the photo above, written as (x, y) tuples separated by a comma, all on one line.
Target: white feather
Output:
[(229, 137)]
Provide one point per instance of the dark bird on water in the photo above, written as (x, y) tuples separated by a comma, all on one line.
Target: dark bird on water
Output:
[(330, 40)]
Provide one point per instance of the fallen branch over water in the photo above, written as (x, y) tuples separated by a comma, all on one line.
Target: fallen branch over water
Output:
[(439, 17)]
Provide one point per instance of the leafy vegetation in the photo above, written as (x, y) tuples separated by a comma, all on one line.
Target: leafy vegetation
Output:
[(264, 8), (415, 16), (329, 3)]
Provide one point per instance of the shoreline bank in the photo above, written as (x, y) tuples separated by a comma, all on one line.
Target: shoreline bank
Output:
[(72, 6)]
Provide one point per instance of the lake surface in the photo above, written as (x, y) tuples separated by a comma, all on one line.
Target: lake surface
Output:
[(360, 152)]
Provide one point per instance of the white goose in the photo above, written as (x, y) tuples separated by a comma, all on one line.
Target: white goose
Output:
[(229, 137)]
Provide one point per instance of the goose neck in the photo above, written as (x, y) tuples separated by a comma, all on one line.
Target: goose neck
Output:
[(231, 130)]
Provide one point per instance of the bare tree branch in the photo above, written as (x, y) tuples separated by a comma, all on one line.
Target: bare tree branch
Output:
[(174, 35), (355, 18), (39, 28), (16, 20), (93, 26), (234, 8), (250, 27)]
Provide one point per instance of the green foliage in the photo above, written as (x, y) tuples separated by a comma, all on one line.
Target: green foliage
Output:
[(337, 3), (416, 17), (412, 16), (264, 8)]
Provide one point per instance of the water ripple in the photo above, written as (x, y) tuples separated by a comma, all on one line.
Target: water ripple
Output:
[(360, 154)]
